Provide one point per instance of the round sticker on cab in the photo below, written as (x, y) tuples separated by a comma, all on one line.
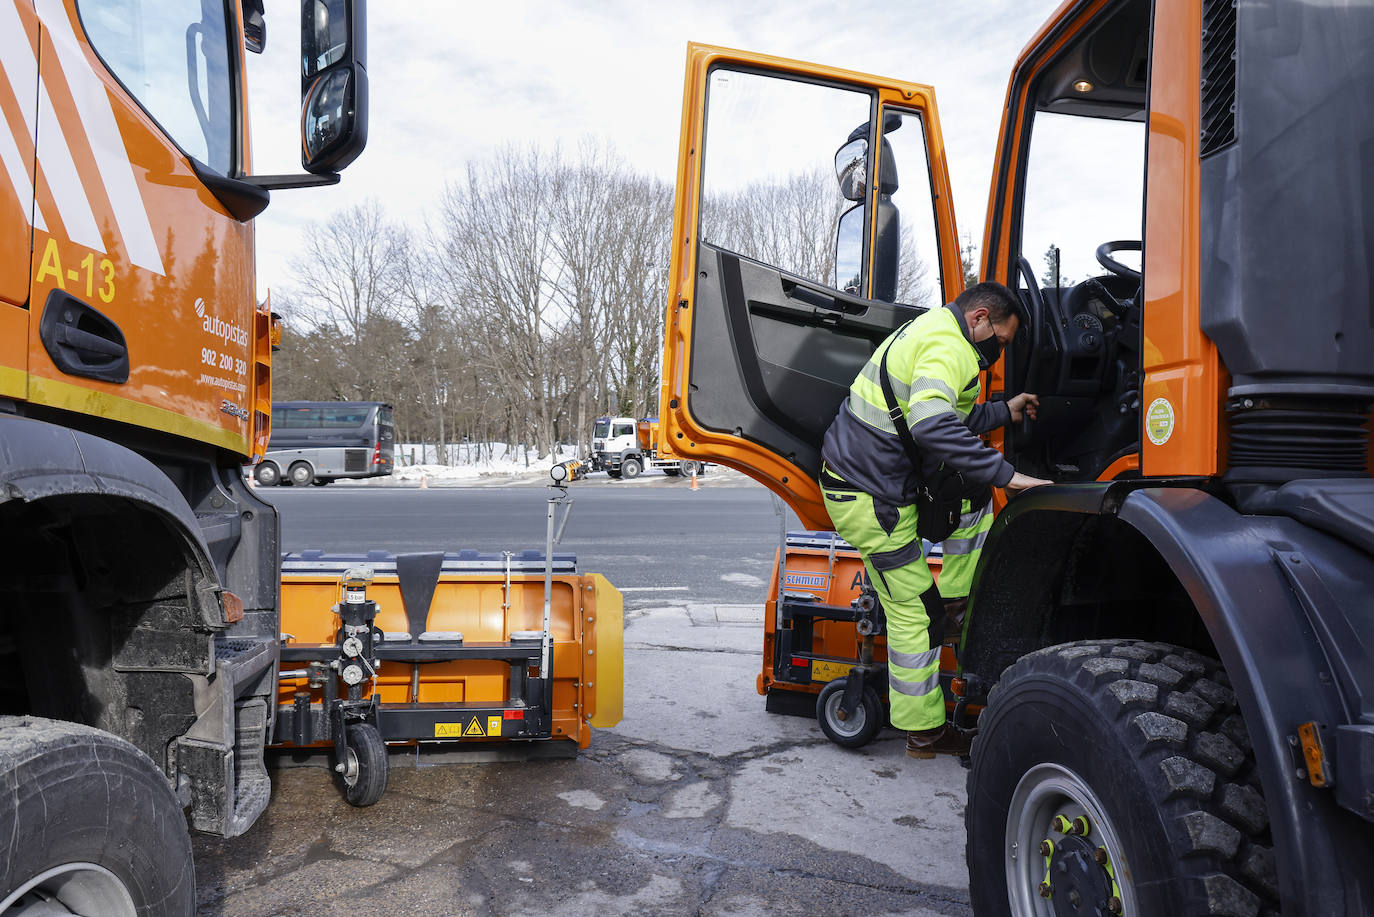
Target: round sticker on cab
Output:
[(1159, 421)]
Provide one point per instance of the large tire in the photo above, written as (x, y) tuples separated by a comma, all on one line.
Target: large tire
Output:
[(1146, 740), (365, 771), (861, 726), (267, 474), (691, 467), (89, 821), (630, 469), (301, 474)]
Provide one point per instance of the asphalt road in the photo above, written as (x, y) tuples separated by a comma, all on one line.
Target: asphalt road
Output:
[(655, 536), (698, 802)]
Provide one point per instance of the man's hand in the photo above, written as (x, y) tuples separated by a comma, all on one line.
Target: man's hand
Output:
[(1024, 403), (1020, 482)]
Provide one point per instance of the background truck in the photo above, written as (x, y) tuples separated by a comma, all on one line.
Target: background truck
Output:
[(139, 631), (623, 447), (1173, 641)]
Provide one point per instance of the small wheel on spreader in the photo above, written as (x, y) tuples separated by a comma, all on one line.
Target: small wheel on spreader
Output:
[(365, 769), (855, 730)]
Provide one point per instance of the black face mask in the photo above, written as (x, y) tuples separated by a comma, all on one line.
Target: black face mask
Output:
[(988, 351)]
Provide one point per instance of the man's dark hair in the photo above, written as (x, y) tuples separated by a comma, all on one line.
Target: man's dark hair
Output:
[(1000, 302)]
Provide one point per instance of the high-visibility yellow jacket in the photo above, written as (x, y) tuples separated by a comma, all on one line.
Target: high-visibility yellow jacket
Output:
[(934, 371)]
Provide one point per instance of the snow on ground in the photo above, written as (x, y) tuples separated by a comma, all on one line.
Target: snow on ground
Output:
[(469, 463), (495, 463)]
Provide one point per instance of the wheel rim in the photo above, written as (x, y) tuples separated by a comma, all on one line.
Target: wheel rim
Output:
[(845, 728), (300, 475), (73, 888), (350, 773), (1073, 867)]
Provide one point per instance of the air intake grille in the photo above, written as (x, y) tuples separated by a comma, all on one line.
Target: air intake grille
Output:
[(1282, 439), (1218, 75)]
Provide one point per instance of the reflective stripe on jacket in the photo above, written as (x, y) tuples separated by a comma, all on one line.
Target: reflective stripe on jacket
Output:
[(934, 372)]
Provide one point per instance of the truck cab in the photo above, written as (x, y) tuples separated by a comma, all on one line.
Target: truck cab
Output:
[(1174, 201), (139, 631), (615, 447)]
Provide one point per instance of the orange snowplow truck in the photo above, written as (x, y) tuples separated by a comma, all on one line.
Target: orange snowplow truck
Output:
[(138, 598), (1175, 641)]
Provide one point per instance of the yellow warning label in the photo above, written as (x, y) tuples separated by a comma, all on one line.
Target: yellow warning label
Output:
[(493, 725), (821, 670), (474, 729), (448, 730)]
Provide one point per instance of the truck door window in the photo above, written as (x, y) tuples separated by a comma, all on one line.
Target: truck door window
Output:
[(1085, 181), (768, 181), (907, 188), (173, 56), (624, 429)]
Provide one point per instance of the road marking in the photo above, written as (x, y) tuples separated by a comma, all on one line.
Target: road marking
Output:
[(654, 588)]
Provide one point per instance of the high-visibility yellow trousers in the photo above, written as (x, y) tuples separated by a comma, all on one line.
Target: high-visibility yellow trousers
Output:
[(885, 537)]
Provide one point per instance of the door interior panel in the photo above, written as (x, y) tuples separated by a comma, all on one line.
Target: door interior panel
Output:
[(794, 349)]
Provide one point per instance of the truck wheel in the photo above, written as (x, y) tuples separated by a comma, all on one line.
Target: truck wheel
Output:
[(691, 468), (1144, 742), (631, 468), (861, 726), (267, 474), (365, 772), (90, 825), (301, 474)]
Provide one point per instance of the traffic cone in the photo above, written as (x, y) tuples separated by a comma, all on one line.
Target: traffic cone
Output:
[(424, 481), (694, 479)]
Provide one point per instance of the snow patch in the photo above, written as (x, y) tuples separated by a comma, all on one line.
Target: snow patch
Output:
[(583, 799), (742, 579)]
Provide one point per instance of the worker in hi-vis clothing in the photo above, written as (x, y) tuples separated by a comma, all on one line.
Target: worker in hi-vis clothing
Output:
[(870, 488)]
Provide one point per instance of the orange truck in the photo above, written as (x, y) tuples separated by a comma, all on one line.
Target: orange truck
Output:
[(139, 631), (1174, 640)]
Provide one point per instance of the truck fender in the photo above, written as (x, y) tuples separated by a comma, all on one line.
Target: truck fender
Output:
[(1265, 629), (39, 460)]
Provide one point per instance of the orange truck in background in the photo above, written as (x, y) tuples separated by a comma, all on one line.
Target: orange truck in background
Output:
[(1174, 641), (139, 621)]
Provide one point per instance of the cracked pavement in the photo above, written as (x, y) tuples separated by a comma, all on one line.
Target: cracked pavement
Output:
[(698, 803)]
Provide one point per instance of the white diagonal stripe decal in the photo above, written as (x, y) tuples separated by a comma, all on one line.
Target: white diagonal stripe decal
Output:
[(21, 71), (111, 157), (13, 162)]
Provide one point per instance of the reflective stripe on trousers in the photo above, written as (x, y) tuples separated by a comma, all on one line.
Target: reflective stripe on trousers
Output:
[(962, 549)]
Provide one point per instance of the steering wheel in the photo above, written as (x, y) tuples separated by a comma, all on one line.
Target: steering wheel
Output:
[(1107, 249)]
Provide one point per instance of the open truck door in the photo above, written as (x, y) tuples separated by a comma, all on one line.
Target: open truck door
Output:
[(789, 265)]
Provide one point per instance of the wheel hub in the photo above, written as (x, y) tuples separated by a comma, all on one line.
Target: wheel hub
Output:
[(1078, 885)]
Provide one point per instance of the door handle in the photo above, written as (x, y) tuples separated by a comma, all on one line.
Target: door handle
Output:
[(82, 341)]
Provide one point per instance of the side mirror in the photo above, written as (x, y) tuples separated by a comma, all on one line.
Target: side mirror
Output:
[(851, 169), (333, 83), (849, 250)]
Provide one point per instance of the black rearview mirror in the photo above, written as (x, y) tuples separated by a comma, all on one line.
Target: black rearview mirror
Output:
[(849, 251), (333, 83), (851, 169)]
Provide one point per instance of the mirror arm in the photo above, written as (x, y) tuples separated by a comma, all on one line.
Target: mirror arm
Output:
[(287, 182)]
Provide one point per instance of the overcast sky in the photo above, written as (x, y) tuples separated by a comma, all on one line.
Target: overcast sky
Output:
[(454, 81)]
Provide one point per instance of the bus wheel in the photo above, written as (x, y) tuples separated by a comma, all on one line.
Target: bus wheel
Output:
[(631, 469), (301, 474), (267, 474)]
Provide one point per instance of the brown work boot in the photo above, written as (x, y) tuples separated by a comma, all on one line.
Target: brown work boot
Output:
[(942, 740), (954, 620)]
